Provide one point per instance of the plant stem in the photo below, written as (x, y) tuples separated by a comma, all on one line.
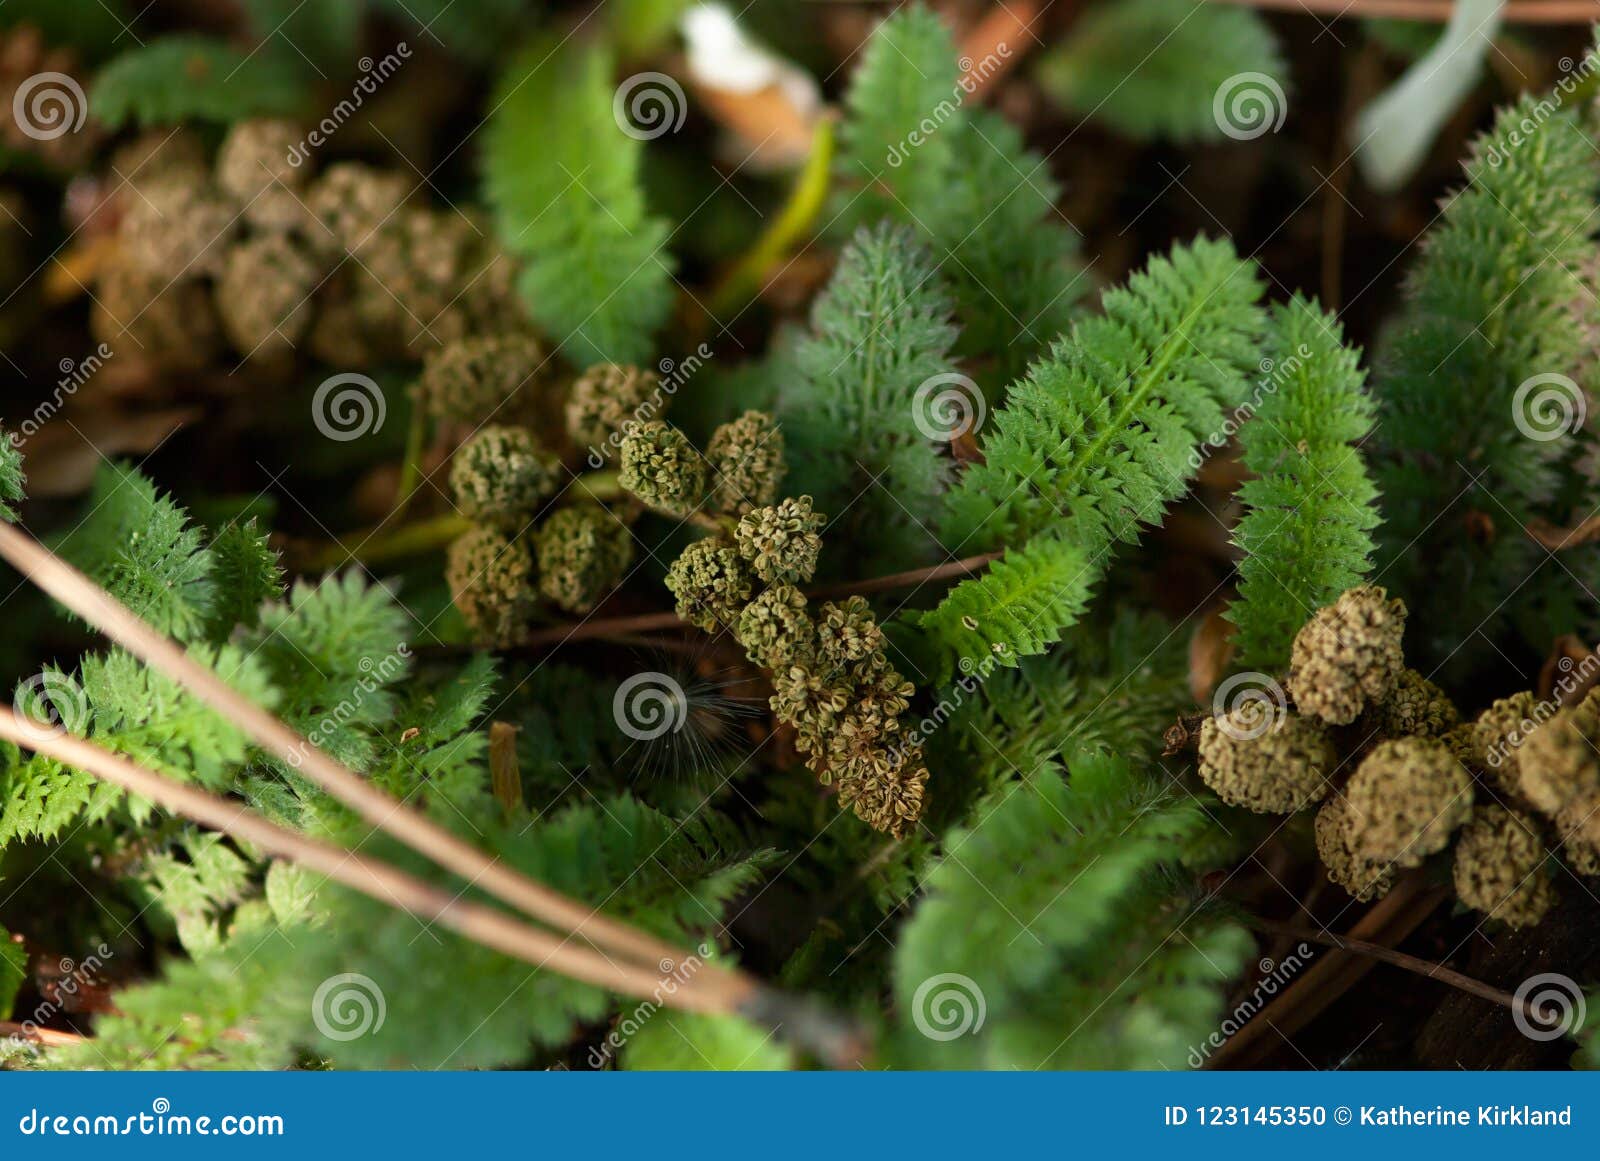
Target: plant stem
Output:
[(745, 280), (648, 622), (375, 546), (1399, 959), (379, 547), (411, 466)]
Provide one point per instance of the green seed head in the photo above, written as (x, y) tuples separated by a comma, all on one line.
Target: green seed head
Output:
[(583, 552), (781, 542), (502, 474), (661, 467), (747, 464)]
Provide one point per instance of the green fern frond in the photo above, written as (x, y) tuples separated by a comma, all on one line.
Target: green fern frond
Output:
[(245, 573), (12, 478), (879, 332), (1057, 873), (672, 1041), (197, 78), (1488, 310), (563, 180), (1306, 534), (1160, 68), (141, 546), (1016, 608), (1100, 432), (914, 152)]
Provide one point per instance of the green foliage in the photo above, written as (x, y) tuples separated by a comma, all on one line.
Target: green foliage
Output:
[(563, 180), (94, 31), (1306, 534), (477, 31), (1489, 307), (879, 332), (912, 151), (1156, 68), (196, 78), (245, 572), (13, 972), (1017, 607), (141, 546), (1097, 439), (326, 31), (11, 478), (674, 1041), (1070, 877)]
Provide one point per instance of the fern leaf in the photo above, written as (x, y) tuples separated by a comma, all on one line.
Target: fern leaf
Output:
[(563, 180), (1159, 68), (1058, 874), (141, 546), (245, 573), (1306, 534), (669, 1040), (1100, 432), (196, 78), (913, 152), (1018, 607), (1488, 310), (11, 478), (879, 332)]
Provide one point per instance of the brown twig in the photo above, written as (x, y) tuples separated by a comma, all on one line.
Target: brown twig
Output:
[(373, 877), (47, 1037), (1437, 11), (1555, 538), (651, 622), (1395, 916), (100, 609), (1399, 959)]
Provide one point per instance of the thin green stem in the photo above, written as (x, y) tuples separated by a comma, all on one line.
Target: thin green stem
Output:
[(411, 466)]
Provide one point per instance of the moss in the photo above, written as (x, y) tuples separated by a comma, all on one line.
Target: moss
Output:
[(1261, 758), (583, 552), (747, 463), (1406, 798), (1500, 867), (781, 541), (491, 580), (1348, 655), (501, 475)]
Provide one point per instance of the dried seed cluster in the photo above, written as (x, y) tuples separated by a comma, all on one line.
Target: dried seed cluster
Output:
[(1417, 770), (248, 252), (832, 679)]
